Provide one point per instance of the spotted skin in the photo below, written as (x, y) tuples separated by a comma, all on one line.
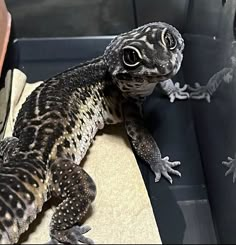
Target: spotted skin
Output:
[(145, 145), (77, 190), (7, 145), (58, 121)]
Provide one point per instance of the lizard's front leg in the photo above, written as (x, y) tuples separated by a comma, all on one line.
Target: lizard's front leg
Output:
[(231, 164), (174, 91), (145, 145), (206, 91)]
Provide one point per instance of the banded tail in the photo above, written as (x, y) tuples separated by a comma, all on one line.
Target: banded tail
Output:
[(23, 190)]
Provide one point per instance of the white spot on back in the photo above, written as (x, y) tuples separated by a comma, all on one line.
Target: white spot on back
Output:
[(7, 216), (18, 205), (15, 228)]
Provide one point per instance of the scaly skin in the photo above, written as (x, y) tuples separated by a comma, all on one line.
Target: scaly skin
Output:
[(59, 120)]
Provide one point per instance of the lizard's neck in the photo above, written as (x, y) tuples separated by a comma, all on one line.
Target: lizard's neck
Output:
[(87, 72)]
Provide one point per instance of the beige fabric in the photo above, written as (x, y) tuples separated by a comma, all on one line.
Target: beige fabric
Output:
[(121, 212), (5, 94)]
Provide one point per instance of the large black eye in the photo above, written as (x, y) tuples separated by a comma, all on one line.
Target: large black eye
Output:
[(131, 56), (168, 39)]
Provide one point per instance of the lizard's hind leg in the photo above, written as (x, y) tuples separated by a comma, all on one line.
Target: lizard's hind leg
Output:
[(77, 190)]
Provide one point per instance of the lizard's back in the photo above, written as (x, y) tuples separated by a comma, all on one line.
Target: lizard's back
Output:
[(58, 120), (60, 109)]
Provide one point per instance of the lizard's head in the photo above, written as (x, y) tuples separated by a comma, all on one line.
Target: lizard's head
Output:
[(141, 58)]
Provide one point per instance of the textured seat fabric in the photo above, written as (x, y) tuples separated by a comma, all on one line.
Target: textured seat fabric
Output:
[(215, 127)]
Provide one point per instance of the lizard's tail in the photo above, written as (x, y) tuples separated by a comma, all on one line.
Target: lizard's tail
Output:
[(22, 194)]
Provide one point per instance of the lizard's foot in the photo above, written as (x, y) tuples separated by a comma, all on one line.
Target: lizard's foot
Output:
[(74, 235), (165, 167), (231, 164), (200, 92), (178, 92)]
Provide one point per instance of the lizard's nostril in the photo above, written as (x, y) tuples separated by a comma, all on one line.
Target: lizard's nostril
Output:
[(165, 69)]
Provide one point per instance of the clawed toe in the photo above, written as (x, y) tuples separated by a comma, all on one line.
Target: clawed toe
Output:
[(165, 167), (178, 92), (199, 92), (231, 165), (74, 235)]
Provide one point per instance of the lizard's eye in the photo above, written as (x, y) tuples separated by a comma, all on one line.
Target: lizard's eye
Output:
[(131, 56), (168, 39)]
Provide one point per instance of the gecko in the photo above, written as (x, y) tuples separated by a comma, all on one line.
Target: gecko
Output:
[(59, 120), (225, 75)]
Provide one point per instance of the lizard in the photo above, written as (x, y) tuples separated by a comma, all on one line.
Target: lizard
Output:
[(60, 118), (225, 75)]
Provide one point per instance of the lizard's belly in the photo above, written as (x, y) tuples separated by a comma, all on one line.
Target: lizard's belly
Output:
[(75, 142)]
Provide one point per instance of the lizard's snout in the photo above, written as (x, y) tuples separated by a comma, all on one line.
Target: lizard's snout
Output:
[(164, 69)]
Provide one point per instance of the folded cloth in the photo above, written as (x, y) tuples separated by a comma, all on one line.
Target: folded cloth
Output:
[(5, 97), (15, 83), (121, 212)]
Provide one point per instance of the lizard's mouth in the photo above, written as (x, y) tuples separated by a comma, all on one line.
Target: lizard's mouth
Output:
[(161, 72), (154, 78)]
